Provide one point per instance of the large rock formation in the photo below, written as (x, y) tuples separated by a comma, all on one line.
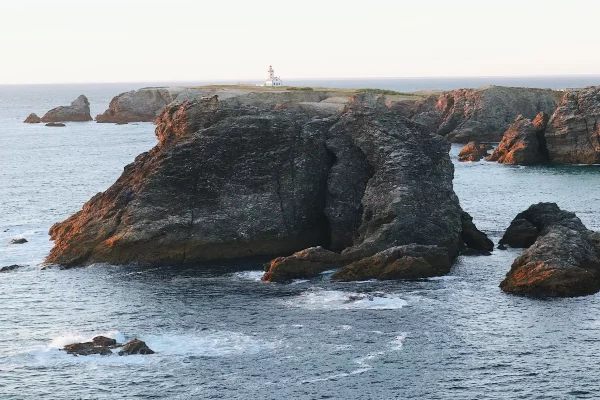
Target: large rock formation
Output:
[(573, 134), (482, 114), (563, 259), (524, 142), (78, 111), (142, 105), (229, 182), (474, 151)]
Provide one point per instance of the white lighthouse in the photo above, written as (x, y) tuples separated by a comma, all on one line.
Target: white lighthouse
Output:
[(273, 80)]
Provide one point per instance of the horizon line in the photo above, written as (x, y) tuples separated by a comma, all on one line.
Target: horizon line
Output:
[(245, 80)]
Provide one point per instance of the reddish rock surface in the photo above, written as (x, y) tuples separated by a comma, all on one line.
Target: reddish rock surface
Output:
[(32, 119), (474, 151), (524, 142)]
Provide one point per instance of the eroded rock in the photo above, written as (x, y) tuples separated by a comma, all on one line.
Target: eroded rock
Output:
[(573, 133), (87, 349), (483, 114), (524, 143), (563, 261), (474, 151), (78, 111)]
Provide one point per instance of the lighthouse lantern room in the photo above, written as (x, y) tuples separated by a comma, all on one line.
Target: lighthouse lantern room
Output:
[(273, 80)]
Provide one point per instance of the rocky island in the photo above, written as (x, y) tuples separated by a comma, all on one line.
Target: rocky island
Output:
[(230, 181), (78, 111), (562, 257)]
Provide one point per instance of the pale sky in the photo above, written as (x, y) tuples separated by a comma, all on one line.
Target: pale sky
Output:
[(72, 41)]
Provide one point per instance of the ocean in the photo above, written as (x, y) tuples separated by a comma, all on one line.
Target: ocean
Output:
[(221, 333)]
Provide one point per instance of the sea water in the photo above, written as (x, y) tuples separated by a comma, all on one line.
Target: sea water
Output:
[(221, 333)]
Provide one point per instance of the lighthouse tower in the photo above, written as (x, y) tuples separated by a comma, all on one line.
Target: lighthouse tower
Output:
[(273, 80)]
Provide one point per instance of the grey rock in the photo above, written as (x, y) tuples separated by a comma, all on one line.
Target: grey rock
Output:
[(78, 111)]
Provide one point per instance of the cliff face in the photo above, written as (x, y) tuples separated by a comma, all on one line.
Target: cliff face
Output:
[(573, 134), (482, 114), (236, 181), (78, 111)]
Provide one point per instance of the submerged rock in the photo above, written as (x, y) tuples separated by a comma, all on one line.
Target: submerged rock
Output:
[(524, 142), (135, 346), (78, 111), (230, 182), (573, 133), (18, 241), (10, 268), (563, 261), (474, 151), (483, 114), (55, 124), (32, 119)]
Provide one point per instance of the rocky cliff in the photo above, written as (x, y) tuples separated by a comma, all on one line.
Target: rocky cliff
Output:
[(573, 134), (231, 181), (562, 257), (78, 111), (482, 114), (145, 105)]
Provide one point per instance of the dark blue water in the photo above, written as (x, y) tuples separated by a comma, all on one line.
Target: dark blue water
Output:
[(226, 335)]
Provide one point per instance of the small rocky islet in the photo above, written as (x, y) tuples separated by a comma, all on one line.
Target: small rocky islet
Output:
[(104, 346), (363, 186)]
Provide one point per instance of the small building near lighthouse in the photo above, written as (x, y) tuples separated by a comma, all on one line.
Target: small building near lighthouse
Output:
[(273, 80)]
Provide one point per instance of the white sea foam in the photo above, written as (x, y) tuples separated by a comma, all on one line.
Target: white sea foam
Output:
[(444, 278), (250, 275), (398, 342), (338, 300)]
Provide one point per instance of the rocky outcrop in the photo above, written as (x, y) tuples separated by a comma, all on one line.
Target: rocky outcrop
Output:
[(307, 263), (564, 259), (32, 119), (78, 111), (135, 346), (230, 182), (573, 133), (143, 105), (101, 345), (10, 268), (482, 114), (474, 151), (524, 143)]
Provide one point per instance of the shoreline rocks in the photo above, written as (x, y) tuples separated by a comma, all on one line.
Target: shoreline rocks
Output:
[(32, 119), (564, 259), (251, 182), (474, 151), (78, 111)]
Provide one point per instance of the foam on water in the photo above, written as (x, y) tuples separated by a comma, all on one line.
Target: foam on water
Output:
[(250, 275), (338, 300)]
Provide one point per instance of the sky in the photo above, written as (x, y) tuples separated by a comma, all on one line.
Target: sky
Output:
[(76, 41)]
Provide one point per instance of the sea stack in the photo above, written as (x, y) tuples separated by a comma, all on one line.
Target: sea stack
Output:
[(524, 143), (78, 111), (229, 182), (563, 257)]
